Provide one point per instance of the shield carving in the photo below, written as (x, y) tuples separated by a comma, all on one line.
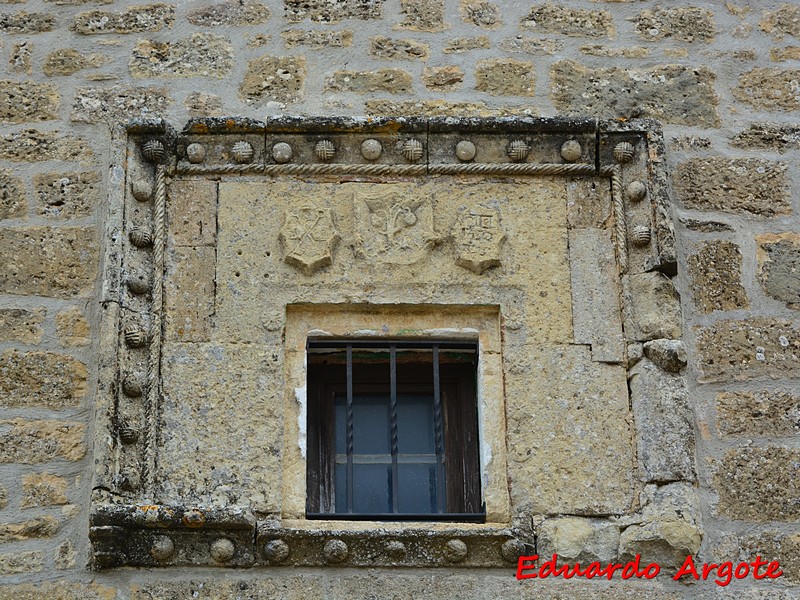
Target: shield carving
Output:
[(393, 226), (308, 236), (478, 239)]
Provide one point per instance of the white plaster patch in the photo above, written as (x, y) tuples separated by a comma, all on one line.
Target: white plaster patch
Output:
[(301, 399)]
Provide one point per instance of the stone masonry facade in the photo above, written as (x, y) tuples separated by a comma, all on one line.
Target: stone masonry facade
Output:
[(721, 78)]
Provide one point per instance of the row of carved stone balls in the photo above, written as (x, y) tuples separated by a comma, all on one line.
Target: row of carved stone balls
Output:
[(371, 149), (334, 551)]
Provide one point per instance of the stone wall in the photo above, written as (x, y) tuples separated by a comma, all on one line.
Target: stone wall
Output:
[(722, 77)]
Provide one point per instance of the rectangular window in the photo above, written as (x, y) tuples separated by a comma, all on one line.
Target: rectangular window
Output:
[(393, 430)]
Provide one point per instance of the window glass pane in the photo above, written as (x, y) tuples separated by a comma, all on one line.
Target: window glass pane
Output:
[(340, 488), (370, 425), (372, 483), (417, 488), (415, 430)]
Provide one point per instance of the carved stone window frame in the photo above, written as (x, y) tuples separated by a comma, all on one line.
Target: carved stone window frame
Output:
[(127, 528)]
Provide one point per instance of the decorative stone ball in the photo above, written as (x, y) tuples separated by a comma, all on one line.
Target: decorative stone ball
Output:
[(325, 150), (571, 150), (282, 153), (623, 152), (242, 152), (412, 150), (518, 150), (195, 153), (140, 238), (131, 387), (153, 151), (276, 551), (636, 191), (135, 337), (396, 550), (335, 551), (141, 190), (511, 550), (465, 150), (163, 548), (640, 235), (128, 435), (455, 551), (222, 550), (371, 149), (138, 283), (194, 517)]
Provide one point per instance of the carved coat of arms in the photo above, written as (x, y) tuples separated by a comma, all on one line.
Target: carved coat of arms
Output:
[(478, 239), (308, 236), (393, 227)]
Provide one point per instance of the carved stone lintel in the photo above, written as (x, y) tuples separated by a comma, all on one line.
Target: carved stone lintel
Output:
[(309, 236), (478, 239)]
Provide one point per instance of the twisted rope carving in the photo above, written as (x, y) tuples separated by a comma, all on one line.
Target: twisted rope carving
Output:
[(154, 367), (620, 229), (380, 170)]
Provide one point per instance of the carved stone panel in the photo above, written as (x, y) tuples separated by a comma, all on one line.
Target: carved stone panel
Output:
[(309, 237), (478, 238)]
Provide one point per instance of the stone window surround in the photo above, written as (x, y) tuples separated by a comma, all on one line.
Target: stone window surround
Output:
[(124, 534)]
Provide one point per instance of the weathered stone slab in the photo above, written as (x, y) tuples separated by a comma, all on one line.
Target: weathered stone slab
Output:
[(423, 15), (119, 103), (577, 540), (27, 101), (505, 77), (41, 379), (569, 434), (664, 424), (20, 325), (394, 81), (769, 89), (229, 13), (189, 293), (136, 19), (685, 23), (67, 195), (60, 262), (30, 442), (596, 313), (779, 266), (554, 18), (40, 527), (32, 145), (588, 203), (759, 484), (716, 277), (13, 202), (72, 327), (275, 78), (20, 562), (43, 489), (192, 212), (327, 12), (59, 590), (200, 55), (740, 350), (652, 309), (764, 413)]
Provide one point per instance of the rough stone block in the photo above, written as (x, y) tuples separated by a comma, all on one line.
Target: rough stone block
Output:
[(423, 15), (316, 40), (577, 540), (783, 21), (460, 45), (189, 298), (43, 489), (20, 562), (569, 430), (136, 19), (330, 12), (759, 484), (772, 545), (610, 52), (3, 497), (596, 313), (33, 145), (716, 277), (119, 103), (554, 18), (532, 46), (41, 379), (59, 262), (784, 54), (752, 349), (201, 55), (68, 61), (667, 530), (67, 195), (769, 136), (280, 79), (392, 48), (200, 104), (442, 78), (27, 101), (234, 14), (664, 424), (72, 327), (32, 442), (769, 89), (480, 13), (58, 590), (588, 203), (13, 203), (65, 557), (192, 212), (779, 266), (685, 23), (19, 60), (669, 355), (23, 22), (394, 81), (751, 185), (40, 527), (653, 309), (426, 108), (767, 413), (505, 77), (20, 325), (673, 93)]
